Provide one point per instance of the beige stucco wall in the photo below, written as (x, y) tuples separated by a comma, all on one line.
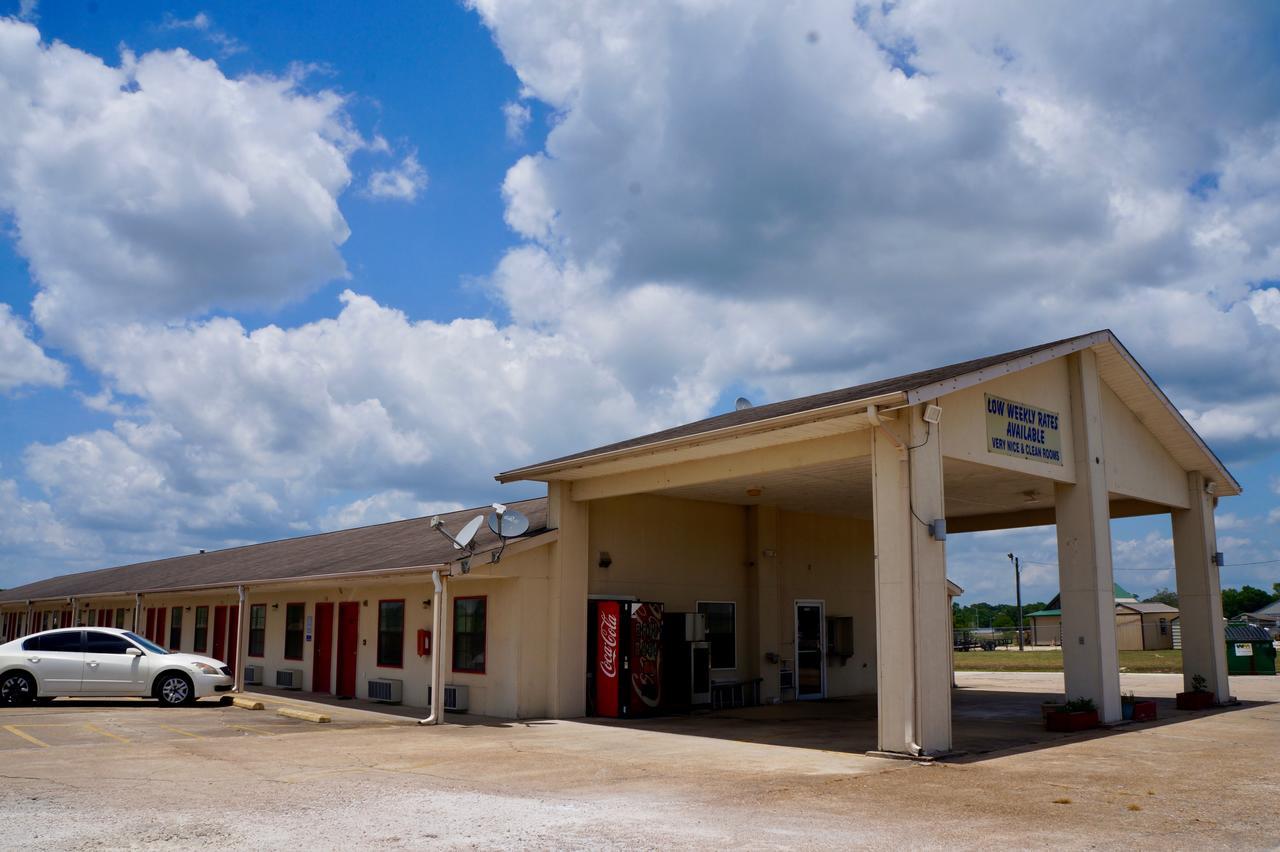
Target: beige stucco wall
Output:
[(1137, 464), (514, 682), (679, 552)]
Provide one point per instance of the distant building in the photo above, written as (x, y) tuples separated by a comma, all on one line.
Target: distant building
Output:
[(1139, 626)]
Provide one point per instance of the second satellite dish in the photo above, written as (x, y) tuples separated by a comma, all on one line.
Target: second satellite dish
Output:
[(742, 404), (468, 532), (509, 523)]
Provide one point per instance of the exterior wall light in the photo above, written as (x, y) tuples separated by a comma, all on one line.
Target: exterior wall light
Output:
[(605, 559)]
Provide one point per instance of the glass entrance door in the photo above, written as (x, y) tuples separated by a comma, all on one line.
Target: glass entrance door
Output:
[(811, 675)]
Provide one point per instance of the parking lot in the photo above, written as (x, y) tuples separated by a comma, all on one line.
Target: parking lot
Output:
[(122, 774), (82, 723)]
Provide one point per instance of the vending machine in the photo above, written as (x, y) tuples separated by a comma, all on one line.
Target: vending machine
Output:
[(624, 655)]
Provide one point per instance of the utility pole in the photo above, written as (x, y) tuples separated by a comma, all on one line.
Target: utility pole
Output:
[(1017, 584)]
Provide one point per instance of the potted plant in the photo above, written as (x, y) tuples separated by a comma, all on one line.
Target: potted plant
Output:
[(1135, 710), (1048, 707), (1076, 715), (1199, 698)]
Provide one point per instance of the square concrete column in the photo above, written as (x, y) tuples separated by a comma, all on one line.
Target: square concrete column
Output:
[(567, 691), (766, 632), (1084, 552), (1199, 591), (913, 625)]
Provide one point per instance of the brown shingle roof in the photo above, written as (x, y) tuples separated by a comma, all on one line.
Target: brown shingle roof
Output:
[(898, 384), (399, 544)]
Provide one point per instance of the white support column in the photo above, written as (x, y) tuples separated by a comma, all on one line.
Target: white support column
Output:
[(569, 561), (1084, 552), (913, 627), (762, 535), (1199, 591)]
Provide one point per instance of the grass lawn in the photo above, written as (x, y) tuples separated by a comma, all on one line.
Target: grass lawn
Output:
[(1051, 661)]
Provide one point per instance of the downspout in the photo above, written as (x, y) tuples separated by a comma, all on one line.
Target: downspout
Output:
[(75, 612), (26, 627), (240, 640), (137, 610), (437, 620)]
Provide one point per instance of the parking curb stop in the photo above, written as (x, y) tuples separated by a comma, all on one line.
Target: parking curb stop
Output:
[(304, 715), (247, 703)]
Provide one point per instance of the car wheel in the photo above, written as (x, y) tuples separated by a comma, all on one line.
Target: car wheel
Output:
[(17, 688), (175, 689)]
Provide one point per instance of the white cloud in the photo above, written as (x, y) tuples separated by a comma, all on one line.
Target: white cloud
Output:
[(162, 188), (517, 116), (22, 362), (33, 537), (1273, 517), (27, 10), (202, 23), (1034, 180), (403, 182), (393, 505)]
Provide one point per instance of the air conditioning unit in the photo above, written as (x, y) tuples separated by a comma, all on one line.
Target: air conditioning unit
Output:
[(253, 675), (289, 678), (456, 698), (386, 690)]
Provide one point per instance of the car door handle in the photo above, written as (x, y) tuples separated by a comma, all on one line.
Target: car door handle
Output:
[(33, 659), (93, 664)]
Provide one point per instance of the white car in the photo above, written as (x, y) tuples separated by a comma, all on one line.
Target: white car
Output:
[(104, 661)]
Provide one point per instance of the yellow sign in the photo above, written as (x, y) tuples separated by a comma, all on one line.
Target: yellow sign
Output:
[(1023, 431)]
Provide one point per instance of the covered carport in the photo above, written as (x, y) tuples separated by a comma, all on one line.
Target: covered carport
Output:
[(848, 495)]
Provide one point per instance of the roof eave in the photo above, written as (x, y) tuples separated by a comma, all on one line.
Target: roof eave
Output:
[(547, 470)]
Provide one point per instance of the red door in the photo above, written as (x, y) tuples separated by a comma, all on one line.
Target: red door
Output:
[(162, 615), (322, 653), (151, 624), (233, 632), (220, 633), (348, 647)]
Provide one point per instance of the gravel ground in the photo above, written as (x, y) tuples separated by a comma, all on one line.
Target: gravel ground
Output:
[(1194, 783)]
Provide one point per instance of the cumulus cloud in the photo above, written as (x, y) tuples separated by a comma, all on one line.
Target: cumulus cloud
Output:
[(380, 508), (22, 362), (914, 168), (403, 182), (236, 434), (160, 188)]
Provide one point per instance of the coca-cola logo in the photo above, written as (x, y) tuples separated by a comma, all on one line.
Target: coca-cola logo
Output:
[(609, 644)]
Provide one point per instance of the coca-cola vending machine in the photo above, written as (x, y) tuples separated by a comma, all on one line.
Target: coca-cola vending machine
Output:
[(624, 653)]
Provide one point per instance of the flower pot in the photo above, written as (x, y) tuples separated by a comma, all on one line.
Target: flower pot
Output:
[(1048, 708), (1195, 700), (1065, 722), (1143, 711)]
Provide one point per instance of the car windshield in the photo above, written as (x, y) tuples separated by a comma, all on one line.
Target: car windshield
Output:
[(151, 647)]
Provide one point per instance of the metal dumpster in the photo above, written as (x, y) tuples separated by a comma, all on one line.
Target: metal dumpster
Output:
[(1249, 650)]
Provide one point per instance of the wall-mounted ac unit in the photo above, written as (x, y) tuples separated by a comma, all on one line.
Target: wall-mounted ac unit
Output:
[(289, 678), (386, 690), (456, 698), (253, 675)]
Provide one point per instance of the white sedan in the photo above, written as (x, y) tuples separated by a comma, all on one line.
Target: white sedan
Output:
[(104, 661)]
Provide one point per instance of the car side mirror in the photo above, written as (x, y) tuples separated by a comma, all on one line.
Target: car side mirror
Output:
[(133, 652)]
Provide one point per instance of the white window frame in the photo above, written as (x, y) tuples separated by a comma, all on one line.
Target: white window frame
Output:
[(697, 608)]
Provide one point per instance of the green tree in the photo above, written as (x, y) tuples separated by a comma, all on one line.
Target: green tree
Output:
[(1164, 596), (1245, 599)]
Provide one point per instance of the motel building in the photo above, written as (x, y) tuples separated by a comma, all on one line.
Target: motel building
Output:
[(776, 553)]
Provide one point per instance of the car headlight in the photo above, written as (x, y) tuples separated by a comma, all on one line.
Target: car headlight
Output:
[(205, 668)]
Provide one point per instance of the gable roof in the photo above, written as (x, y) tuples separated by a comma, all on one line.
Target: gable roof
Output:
[(1148, 608), (385, 547), (1133, 385)]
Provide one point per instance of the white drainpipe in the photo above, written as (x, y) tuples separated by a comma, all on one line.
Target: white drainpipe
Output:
[(240, 640), (437, 644), (137, 611)]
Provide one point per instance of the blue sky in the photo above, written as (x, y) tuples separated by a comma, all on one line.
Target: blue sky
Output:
[(281, 269)]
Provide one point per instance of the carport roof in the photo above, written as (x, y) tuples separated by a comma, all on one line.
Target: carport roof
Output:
[(373, 549), (1184, 443)]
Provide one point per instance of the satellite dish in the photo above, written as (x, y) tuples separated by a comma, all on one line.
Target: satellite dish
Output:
[(742, 404), (509, 523), (468, 532)]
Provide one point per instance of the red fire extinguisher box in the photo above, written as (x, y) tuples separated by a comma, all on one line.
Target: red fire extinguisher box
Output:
[(624, 655)]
